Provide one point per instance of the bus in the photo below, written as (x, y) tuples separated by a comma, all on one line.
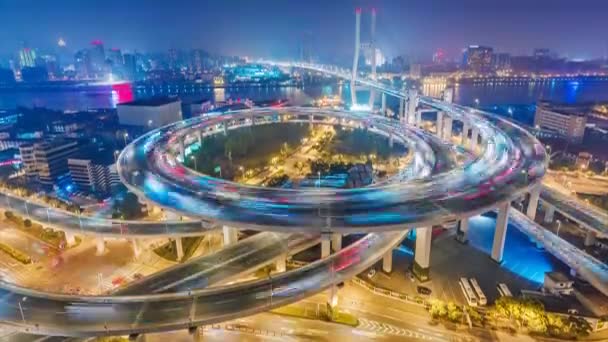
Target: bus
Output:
[(467, 290), (503, 290), (480, 295)]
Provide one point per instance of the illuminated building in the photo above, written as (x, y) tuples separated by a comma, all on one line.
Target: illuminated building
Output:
[(568, 121), (150, 113), (82, 64), (90, 172), (130, 66), (439, 56), (478, 58), (98, 59), (501, 61), (47, 161), (27, 58)]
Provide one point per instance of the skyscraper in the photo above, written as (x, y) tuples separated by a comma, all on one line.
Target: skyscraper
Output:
[(27, 57), (98, 59), (478, 58)]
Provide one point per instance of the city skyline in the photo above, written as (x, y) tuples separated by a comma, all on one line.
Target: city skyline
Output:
[(276, 29)]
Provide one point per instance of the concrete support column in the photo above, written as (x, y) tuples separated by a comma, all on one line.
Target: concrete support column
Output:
[(474, 139), (136, 248), (179, 248), (462, 230), (533, 202), (500, 233), (196, 333), (281, 263), (387, 262), (383, 105), (590, 238), (402, 110), (182, 148), (231, 235), (325, 245), (70, 238), (439, 125), (447, 128), (422, 254), (464, 136), (225, 126), (549, 212), (100, 244), (418, 118), (199, 136), (412, 104), (336, 242), (391, 140)]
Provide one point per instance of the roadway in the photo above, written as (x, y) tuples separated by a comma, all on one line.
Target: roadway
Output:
[(584, 214), (54, 314), (223, 266), (515, 162)]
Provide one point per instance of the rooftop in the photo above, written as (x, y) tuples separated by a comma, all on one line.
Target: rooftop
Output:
[(566, 109), (558, 276), (152, 101)]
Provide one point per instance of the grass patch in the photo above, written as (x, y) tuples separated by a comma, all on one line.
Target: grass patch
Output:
[(301, 312), (169, 250), (55, 238), (15, 254)]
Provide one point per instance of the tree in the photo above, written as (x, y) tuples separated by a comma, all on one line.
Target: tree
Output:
[(438, 309), (454, 313), (27, 223)]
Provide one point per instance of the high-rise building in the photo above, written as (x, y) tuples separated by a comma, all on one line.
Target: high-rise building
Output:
[(98, 59), (566, 120), (90, 174), (47, 161), (501, 61), (130, 66), (27, 58), (82, 64), (367, 54), (478, 58), (115, 57), (439, 56), (196, 60)]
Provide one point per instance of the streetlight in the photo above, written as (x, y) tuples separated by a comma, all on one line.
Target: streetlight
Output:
[(559, 225), (116, 153), (194, 158), (125, 136), (319, 174), (242, 169), (477, 102)]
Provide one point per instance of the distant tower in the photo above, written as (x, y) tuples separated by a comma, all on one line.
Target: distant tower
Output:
[(353, 89), (372, 44)]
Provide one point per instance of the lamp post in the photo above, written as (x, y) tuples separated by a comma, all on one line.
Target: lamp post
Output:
[(195, 166), (125, 136), (559, 225)]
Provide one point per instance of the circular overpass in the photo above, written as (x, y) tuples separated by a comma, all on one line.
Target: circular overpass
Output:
[(510, 162)]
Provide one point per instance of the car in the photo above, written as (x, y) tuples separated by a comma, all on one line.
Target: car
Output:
[(371, 273), (423, 290)]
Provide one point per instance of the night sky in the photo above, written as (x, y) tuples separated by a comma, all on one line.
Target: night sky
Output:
[(273, 28)]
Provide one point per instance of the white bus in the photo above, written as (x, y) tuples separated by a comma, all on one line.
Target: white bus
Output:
[(480, 295), (503, 290), (468, 292)]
